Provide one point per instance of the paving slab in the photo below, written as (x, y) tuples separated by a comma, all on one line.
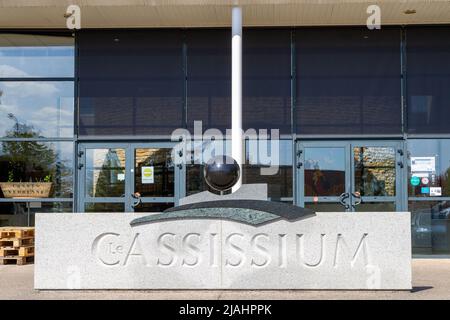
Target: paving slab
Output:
[(431, 280)]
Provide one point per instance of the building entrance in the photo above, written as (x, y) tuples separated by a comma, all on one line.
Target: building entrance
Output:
[(115, 177), (350, 175)]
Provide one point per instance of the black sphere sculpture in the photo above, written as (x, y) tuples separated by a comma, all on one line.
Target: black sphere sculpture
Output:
[(221, 173)]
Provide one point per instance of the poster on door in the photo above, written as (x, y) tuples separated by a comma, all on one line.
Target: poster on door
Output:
[(147, 175), (423, 164)]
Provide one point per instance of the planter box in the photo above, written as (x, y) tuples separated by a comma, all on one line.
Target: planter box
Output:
[(26, 189)]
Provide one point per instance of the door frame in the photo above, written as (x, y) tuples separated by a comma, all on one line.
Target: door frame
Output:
[(129, 147), (399, 146)]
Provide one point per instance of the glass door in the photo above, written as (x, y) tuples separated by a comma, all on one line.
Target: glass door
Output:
[(323, 178), (376, 169), (127, 177), (350, 175), (157, 180)]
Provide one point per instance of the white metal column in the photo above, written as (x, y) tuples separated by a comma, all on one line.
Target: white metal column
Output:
[(236, 91)]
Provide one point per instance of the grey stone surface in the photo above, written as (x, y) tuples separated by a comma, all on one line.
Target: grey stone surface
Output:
[(256, 191), (367, 250)]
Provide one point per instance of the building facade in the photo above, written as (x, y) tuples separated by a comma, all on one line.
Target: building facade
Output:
[(363, 115)]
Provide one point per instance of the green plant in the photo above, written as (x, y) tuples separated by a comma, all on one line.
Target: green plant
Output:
[(48, 178), (10, 176)]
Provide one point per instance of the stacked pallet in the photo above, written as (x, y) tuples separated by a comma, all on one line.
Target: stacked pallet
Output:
[(16, 245)]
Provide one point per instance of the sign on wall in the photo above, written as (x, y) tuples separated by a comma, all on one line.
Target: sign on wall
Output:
[(148, 175), (435, 192), (423, 164)]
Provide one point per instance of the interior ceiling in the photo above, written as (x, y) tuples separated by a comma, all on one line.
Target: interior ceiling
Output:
[(216, 13)]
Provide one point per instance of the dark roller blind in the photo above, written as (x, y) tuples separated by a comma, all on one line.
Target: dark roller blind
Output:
[(348, 81), (209, 78), (131, 82), (266, 85), (428, 79)]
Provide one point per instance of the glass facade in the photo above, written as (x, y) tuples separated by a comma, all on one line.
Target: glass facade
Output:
[(276, 172), (430, 227), (429, 195), (35, 109), (208, 78), (324, 171), (266, 68), (126, 80), (138, 85), (428, 79), (36, 125), (36, 56), (348, 81)]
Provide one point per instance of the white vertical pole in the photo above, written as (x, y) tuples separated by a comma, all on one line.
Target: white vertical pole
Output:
[(236, 91)]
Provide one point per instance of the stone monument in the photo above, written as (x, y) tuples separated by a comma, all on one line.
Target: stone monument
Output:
[(224, 242)]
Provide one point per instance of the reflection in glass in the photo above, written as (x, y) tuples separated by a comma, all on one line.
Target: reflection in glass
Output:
[(154, 172), (325, 206), (40, 163), (375, 206), (259, 155), (153, 207), (105, 172), (374, 171), (33, 109), (433, 171), (21, 214), (430, 227), (31, 55), (324, 171), (195, 181), (104, 207)]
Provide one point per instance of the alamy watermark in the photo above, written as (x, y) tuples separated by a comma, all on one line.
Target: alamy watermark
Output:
[(73, 17), (262, 146), (374, 19)]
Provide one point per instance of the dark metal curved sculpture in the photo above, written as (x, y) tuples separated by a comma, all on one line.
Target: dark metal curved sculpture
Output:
[(253, 212)]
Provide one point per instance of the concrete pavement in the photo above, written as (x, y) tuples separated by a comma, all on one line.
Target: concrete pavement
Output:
[(431, 280)]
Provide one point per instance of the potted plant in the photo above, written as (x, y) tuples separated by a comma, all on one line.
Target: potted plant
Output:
[(22, 190), (32, 161)]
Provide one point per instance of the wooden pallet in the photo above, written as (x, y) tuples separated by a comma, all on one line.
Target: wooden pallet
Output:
[(16, 232), (20, 252), (16, 242), (16, 260)]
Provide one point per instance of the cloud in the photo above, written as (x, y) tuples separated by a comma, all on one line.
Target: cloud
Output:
[(7, 71), (28, 89), (23, 89)]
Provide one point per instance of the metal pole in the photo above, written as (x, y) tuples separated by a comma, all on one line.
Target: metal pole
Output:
[(236, 91)]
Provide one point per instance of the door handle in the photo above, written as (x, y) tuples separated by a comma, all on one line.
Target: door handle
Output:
[(344, 196), (138, 201), (357, 196)]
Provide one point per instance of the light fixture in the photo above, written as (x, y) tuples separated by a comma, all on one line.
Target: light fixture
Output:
[(410, 11)]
